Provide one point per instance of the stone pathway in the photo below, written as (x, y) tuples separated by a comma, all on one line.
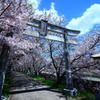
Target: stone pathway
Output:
[(26, 88)]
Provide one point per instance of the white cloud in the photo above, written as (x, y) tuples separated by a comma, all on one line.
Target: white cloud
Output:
[(53, 6), (86, 22), (52, 9), (52, 12), (37, 3)]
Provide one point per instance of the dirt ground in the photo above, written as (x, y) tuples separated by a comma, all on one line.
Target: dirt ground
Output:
[(24, 87)]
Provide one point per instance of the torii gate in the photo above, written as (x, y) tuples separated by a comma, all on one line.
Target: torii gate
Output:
[(44, 27)]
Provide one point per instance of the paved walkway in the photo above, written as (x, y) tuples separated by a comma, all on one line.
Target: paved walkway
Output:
[(26, 88)]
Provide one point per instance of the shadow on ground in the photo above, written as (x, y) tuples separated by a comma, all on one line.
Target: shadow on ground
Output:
[(33, 90), (23, 81), (87, 99)]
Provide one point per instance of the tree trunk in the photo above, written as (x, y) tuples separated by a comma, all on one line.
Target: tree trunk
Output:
[(58, 78)]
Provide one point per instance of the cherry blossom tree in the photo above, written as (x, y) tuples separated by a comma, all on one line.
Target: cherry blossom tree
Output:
[(88, 45), (14, 14)]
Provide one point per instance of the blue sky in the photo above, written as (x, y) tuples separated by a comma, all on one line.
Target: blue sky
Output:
[(70, 8), (81, 14)]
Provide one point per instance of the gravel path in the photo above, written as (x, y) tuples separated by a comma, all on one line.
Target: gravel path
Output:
[(24, 87)]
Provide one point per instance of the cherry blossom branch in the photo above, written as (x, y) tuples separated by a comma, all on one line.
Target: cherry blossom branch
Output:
[(5, 9)]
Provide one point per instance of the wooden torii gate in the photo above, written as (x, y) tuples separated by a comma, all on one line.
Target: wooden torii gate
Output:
[(44, 27)]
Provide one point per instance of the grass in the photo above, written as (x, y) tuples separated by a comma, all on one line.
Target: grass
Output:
[(86, 95), (41, 79), (82, 95), (6, 87), (22, 72)]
